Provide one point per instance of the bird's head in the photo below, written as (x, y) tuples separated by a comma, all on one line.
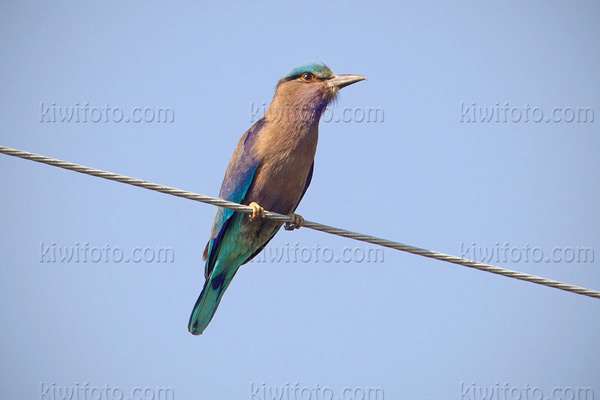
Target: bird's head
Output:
[(304, 93)]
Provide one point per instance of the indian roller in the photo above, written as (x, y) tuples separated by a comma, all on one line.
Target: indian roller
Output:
[(271, 168)]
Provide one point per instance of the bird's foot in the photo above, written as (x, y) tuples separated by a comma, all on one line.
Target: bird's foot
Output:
[(257, 212), (296, 222)]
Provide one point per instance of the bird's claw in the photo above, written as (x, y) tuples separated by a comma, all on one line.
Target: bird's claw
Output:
[(296, 222), (257, 212)]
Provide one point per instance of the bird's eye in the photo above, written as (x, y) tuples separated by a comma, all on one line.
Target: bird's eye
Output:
[(307, 77)]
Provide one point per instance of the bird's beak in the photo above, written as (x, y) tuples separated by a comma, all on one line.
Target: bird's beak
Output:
[(341, 81)]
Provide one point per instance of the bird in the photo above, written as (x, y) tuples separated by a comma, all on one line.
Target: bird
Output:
[(271, 168)]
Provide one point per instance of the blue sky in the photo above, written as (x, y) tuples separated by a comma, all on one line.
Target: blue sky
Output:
[(422, 175)]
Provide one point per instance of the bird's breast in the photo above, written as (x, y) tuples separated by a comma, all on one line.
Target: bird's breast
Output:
[(286, 156)]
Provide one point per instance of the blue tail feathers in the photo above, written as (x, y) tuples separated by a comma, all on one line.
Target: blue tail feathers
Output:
[(209, 300)]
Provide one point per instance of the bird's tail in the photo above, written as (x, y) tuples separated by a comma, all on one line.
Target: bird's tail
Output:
[(209, 300)]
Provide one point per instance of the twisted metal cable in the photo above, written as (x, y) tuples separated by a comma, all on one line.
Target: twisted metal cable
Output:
[(308, 224)]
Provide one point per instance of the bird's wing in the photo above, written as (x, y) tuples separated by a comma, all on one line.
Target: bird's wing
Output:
[(238, 178), (308, 179)]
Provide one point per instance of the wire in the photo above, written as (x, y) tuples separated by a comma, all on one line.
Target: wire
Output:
[(308, 224)]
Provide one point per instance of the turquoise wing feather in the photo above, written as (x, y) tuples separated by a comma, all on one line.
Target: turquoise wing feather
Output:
[(237, 181)]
